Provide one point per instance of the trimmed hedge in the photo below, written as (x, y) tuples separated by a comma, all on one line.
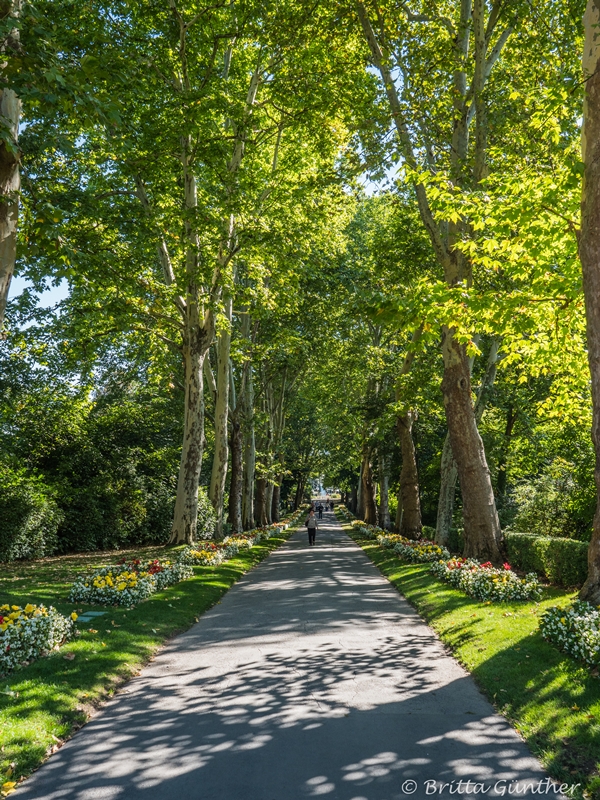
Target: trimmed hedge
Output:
[(561, 561)]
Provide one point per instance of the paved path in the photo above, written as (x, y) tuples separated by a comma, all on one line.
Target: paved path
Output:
[(312, 678)]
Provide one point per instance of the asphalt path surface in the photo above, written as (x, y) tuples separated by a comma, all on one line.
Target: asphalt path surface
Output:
[(312, 678)]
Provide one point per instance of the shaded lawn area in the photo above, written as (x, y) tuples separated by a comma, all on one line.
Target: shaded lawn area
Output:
[(552, 701), (43, 704)]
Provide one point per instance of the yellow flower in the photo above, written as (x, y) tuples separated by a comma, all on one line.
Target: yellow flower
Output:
[(121, 586), (16, 608), (73, 616), (563, 620), (29, 608)]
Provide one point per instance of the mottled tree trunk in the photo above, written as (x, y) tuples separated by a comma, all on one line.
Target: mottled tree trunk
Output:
[(449, 470), (589, 253), (10, 180), (268, 501), (383, 512), (409, 479), (368, 492), (448, 479), (221, 453), (237, 470), (275, 500), (260, 510), (399, 512), (247, 402), (185, 518), (482, 527)]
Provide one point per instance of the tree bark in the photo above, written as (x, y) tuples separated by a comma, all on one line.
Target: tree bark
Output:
[(369, 505), (399, 512), (185, 518), (482, 527), (221, 454), (247, 401), (409, 479), (449, 470), (197, 336), (261, 502), (237, 471), (275, 501), (10, 179), (589, 253), (383, 512), (448, 479)]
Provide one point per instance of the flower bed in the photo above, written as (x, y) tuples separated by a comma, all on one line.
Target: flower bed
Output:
[(113, 586), (368, 531), (30, 632), (486, 582), (575, 629), (421, 551), (127, 584), (208, 554)]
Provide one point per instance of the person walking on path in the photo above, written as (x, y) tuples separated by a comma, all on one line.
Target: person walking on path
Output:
[(311, 526), (320, 510)]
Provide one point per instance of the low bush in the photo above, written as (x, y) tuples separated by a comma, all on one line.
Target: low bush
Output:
[(30, 632), (575, 629), (561, 561), (486, 582)]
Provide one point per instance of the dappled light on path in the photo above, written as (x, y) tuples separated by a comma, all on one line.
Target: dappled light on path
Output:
[(311, 678)]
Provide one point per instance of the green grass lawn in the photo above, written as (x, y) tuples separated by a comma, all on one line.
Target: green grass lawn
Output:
[(45, 703), (552, 701)]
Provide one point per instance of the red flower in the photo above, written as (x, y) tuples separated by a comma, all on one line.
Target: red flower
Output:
[(506, 565), (487, 565)]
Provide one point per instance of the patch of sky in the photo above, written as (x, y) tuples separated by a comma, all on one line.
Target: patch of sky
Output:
[(49, 298)]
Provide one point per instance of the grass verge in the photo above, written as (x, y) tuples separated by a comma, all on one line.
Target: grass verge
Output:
[(45, 703), (553, 702)]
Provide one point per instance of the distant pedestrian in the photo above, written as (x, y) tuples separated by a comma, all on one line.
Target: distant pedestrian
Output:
[(311, 526), (320, 510)]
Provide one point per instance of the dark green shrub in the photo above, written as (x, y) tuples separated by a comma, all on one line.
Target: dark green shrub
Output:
[(29, 516), (428, 532), (562, 561)]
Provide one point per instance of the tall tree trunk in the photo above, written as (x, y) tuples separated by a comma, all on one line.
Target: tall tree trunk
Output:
[(221, 454), (482, 526), (197, 335), (186, 503), (589, 253), (261, 502), (368, 492), (237, 473), (399, 512), (449, 470), (360, 493), (383, 512), (409, 479), (354, 499), (269, 502), (10, 179), (247, 401), (275, 500), (448, 479)]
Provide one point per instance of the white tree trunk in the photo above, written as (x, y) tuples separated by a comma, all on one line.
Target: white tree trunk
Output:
[(220, 459)]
